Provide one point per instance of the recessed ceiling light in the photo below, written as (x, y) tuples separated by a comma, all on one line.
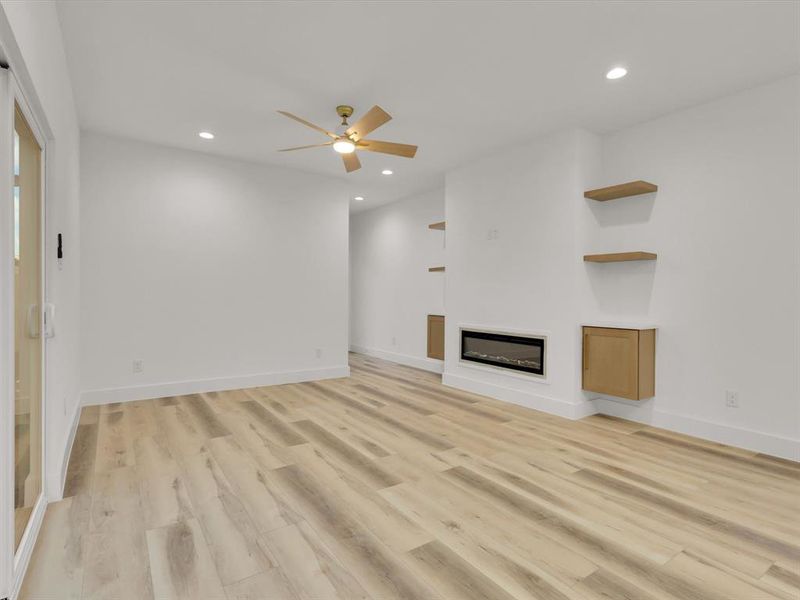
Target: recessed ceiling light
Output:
[(387, 172), (206, 135), (358, 198), (617, 73)]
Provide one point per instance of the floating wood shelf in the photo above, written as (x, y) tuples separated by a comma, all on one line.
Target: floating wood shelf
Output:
[(439, 225), (435, 269), (618, 257), (623, 190)]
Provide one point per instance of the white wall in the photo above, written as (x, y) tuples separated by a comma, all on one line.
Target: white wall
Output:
[(392, 291), (724, 290), (723, 293), (512, 266), (31, 36), (215, 273)]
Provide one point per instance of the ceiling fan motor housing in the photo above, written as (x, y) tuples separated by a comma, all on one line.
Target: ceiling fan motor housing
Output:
[(344, 111)]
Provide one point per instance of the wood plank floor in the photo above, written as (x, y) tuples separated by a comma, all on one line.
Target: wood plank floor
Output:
[(388, 485)]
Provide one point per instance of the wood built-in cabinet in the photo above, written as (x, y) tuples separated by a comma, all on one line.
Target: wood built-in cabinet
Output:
[(619, 362), (436, 336)]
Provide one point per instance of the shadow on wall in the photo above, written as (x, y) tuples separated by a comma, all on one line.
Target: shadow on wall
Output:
[(625, 211), (624, 288)]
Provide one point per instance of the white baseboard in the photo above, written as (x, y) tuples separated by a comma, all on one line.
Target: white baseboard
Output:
[(58, 479), (758, 441), (546, 404), (427, 364), (749, 439), (178, 388)]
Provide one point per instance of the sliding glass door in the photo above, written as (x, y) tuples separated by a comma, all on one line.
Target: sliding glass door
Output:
[(22, 352), (28, 352)]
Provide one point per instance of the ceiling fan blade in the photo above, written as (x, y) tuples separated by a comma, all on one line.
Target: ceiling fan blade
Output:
[(374, 118), (406, 150), (351, 162), (307, 123), (304, 147)]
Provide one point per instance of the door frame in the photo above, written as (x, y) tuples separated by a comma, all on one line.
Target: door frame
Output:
[(14, 563)]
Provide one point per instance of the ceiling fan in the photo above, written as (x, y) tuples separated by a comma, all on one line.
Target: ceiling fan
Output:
[(349, 138)]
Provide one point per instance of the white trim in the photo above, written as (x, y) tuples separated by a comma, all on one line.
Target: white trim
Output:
[(749, 439), (542, 334), (6, 334), (521, 375), (178, 388), (58, 493), (14, 562), (27, 544), (545, 333), (553, 406), (427, 364), (31, 120)]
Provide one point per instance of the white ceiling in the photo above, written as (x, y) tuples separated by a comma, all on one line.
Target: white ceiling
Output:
[(459, 78)]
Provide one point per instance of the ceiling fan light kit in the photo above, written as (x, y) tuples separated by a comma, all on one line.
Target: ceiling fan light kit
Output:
[(344, 146), (349, 138)]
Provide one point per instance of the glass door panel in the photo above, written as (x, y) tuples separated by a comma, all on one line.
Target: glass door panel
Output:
[(27, 324)]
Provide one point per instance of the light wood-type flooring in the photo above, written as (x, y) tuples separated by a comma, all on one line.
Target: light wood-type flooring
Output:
[(388, 485)]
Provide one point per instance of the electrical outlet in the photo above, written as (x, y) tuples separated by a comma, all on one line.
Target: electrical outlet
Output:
[(732, 399), (319, 352), (394, 341), (138, 366)]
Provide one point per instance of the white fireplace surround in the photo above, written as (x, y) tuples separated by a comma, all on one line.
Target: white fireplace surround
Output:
[(535, 334)]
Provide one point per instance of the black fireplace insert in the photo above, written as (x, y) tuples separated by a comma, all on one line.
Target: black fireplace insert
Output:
[(504, 350)]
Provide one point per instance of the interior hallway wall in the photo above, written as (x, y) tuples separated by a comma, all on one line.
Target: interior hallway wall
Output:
[(392, 291)]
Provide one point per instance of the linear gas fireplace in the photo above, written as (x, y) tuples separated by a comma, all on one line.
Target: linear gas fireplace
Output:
[(525, 353)]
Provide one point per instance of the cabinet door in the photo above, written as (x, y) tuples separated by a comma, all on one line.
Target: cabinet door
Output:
[(611, 361), (436, 336)]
